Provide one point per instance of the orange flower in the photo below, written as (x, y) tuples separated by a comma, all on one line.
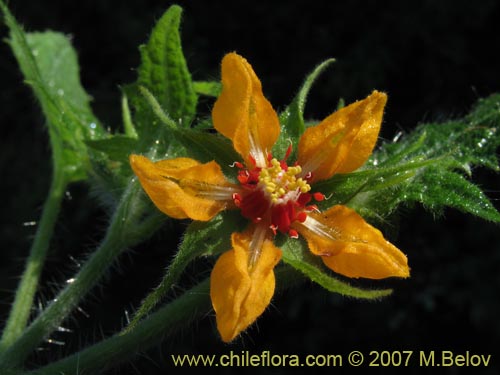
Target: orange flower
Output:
[(274, 196)]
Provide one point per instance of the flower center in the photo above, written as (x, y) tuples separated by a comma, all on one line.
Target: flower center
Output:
[(275, 195), (280, 182)]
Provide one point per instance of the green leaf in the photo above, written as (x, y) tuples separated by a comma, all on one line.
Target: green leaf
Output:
[(437, 188), (117, 147), (163, 70), (373, 193), (205, 147), (49, 65), (208, 88), (58, 67), (426, 166), (292, 118), (201, 238), (467, 142), (297, 255), (483, 135), (199, 144)]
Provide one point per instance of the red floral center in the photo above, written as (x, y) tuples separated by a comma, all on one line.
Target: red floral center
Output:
[(276, 195)]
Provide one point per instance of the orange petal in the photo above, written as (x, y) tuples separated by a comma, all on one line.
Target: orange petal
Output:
[(241, 293), (184, 188), (344, 140), (242, 113), (350, 246)]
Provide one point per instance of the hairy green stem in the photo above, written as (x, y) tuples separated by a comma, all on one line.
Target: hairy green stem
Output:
[(150, 331), (120, 347), (23, 301), (125, 230)]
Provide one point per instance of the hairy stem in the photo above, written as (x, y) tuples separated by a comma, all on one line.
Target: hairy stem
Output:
[(167, 320), (23, 301), (125, 230), (150, 331)]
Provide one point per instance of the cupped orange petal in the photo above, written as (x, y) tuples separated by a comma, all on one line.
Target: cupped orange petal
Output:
[(343, 141), (184, 188), (239, 291), (350, 246), (242, 113)]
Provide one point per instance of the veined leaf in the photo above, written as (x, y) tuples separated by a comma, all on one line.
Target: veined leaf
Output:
[(163, 71), (426, 166), (58, 66), (49, 64), (437, 188)]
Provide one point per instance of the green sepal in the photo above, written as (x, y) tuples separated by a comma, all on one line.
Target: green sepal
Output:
[(200, 239), (213, 237), (297, 255), (292, 118)]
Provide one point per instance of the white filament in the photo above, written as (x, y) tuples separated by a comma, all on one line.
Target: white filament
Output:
[(217, 193), (321, 229), (256, 244), (328, 232), (258, 154), (313, 163)]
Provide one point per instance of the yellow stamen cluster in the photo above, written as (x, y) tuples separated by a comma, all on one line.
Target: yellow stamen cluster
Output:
[(277, 182)]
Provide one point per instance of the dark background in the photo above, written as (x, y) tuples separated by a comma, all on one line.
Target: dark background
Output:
[(434, 59)]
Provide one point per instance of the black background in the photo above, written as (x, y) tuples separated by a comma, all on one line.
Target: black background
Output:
[(434, 59)]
